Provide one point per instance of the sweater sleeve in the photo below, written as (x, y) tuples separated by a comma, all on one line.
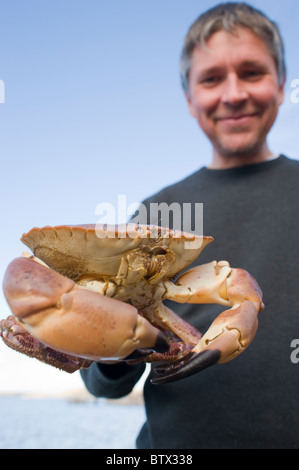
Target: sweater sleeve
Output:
[(111, 381)]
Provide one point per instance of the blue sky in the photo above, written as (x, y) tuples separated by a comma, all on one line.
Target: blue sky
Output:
[(93, 108)]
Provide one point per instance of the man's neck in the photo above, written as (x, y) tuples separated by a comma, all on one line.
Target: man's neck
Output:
[(221, 162)]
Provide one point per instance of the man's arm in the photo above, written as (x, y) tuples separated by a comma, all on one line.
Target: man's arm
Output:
[(111, 381)]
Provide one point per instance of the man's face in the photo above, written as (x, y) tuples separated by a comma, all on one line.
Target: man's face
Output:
[(234, 92)]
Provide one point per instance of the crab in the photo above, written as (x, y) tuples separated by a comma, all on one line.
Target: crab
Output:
[(95, 293)]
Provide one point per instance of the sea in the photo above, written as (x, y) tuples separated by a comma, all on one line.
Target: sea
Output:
[(68, 423)]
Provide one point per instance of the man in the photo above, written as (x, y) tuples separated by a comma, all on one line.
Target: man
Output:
[(233, 74)]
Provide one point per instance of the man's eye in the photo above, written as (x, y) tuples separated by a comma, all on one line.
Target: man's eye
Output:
[(252, 74), (208, 81)]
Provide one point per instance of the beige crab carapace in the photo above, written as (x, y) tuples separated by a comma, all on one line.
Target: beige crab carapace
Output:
[(95, 293)]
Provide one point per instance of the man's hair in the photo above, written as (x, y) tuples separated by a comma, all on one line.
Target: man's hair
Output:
[(228, 17)]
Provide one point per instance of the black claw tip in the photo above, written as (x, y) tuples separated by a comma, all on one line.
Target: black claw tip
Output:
[(188, 365), (161, 346)]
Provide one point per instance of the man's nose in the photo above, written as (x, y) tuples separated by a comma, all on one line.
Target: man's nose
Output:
[(234, 91)]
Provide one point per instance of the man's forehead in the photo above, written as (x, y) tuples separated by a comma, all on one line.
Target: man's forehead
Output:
[(235, 32), (242, 63), (243, 46)]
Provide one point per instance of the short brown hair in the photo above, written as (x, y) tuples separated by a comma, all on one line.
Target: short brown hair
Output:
[(228, 17)]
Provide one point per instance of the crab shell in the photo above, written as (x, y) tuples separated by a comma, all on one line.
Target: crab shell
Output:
[(97, 250)]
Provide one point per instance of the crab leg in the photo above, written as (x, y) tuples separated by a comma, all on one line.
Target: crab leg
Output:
[(17, 337), (69, 318), (231, 332)]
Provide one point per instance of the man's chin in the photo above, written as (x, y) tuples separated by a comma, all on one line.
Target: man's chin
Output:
[(239, 151)]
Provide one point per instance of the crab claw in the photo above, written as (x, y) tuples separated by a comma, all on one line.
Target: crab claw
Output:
[(17, 337), (231, 332), (186, 366), (228, 336), (53, 311)]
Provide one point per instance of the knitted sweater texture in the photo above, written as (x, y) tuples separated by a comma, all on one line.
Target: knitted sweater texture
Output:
[(251, 402)]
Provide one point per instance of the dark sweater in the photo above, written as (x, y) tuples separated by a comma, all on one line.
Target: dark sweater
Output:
[(252, 401)]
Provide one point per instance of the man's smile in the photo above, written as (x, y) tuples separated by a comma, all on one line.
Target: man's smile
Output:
[(243, 118)]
